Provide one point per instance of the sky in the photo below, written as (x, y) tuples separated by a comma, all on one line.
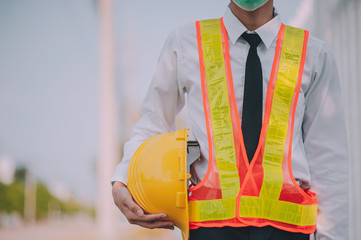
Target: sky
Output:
[(49, 77)]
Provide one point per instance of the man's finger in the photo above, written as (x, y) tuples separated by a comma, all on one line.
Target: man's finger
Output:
[(135, 214), (169, 227), (153, 217), (132, 206), (125, 201), (145, 217), (156, 224)]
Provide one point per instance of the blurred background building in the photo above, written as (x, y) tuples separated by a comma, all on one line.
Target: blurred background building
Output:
[(338, 22), (73, 75)]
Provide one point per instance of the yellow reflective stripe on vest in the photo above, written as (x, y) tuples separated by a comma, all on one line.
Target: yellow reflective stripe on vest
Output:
[(211, 210), (215, 73), (267, 204), (279, 119), (276, 210)]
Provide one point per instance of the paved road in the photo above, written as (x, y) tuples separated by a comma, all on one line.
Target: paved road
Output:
[(82, 229)]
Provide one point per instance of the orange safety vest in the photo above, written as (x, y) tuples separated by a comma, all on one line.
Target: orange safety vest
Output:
[(263, 192)]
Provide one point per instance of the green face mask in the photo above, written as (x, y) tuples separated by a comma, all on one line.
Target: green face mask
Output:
[(250, 5)]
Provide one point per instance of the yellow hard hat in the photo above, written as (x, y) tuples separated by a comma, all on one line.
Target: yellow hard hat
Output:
[(158, 178)]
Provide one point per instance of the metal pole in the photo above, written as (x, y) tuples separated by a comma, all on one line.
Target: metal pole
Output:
[(30, 196), (108, 135)]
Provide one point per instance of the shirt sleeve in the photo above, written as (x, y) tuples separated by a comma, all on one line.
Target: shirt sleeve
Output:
[(164, 99), (325, 142)]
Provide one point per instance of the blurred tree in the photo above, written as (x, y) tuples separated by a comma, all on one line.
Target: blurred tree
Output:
[(12, 195), (15, 198), (43, 198), (20, 174), (12, 198)]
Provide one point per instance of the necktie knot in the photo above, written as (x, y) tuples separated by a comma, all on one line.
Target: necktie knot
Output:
[(253, 39)]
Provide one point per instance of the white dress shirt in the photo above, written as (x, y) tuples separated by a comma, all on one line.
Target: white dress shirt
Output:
[(319, 150)]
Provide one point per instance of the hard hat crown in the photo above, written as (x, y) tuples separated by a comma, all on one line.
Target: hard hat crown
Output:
[(157, 177)]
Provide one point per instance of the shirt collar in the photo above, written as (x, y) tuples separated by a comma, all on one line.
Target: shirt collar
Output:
[(267, 32)]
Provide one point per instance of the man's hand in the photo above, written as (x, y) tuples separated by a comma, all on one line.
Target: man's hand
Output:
[(134, 213)]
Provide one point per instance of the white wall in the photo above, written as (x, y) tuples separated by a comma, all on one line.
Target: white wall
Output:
[(338, 22)]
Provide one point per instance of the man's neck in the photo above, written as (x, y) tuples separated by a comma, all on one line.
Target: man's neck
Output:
[(255, 19)]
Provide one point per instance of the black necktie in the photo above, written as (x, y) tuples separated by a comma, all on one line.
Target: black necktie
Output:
[(252, 101)]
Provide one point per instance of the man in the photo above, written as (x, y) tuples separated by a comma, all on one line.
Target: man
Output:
[(317, 141)]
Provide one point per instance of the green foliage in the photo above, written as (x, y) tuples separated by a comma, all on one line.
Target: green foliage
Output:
[(12, 195), (12, 199), (20, 175), (43, 198)]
